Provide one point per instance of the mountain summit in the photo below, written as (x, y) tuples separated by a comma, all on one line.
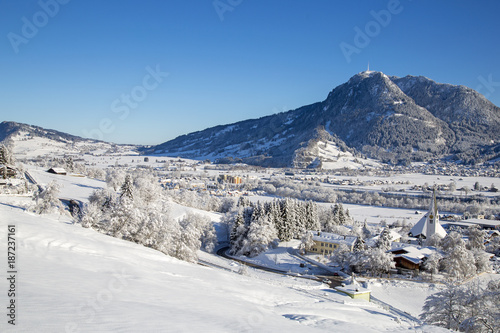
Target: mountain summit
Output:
[(385, 117)]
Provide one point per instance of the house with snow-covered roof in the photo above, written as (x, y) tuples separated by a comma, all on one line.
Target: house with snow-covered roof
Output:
[(394, 237), (411, 257), (57, 171), (327, 243)]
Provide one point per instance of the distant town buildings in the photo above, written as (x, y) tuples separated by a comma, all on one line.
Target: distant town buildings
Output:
[(230, 179)]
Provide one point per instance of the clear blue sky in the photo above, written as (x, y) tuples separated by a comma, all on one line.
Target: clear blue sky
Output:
[(243, 59)]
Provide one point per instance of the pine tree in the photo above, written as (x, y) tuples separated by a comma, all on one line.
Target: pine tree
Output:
[(127, 190), (240, 228), (384, 240), (366, 232), (312, 220), (341, 214), (6, 157), (299, 227), (288, 216)]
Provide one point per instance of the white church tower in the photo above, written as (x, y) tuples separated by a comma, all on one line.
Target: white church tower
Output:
[(429, 224), (432, 217)]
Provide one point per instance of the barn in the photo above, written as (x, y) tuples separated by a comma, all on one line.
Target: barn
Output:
[(7, 171), (57, 171)]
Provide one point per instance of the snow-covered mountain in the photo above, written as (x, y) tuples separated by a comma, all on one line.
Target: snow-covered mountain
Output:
[(29, 141), (388, 118)]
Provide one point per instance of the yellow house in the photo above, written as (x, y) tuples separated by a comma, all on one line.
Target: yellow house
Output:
[(326, 243)]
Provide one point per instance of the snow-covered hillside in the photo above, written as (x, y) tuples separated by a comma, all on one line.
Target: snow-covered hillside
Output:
[(30, 141), (72, 279), (327, 155)]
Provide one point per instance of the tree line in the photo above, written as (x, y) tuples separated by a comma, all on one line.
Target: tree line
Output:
[(254, 227)]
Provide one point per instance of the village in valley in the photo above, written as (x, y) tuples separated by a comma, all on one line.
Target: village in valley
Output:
[(366, 234)]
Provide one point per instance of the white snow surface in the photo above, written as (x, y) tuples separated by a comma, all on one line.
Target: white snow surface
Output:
[(72, 279)]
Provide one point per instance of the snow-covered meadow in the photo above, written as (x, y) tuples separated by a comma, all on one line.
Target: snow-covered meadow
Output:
[(72, 279)]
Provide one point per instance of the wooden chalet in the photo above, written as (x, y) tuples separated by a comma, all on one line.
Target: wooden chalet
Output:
[(57, 171), (7, 171)]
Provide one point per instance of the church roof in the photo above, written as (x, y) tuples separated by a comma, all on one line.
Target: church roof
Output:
[(420, 229)]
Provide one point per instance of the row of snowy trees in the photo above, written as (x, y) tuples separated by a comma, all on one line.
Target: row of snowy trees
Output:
[(256, 227), (138, 211), (467, 308), (319, 193)]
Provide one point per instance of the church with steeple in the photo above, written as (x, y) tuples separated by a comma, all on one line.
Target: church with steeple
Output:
[(429, 224)]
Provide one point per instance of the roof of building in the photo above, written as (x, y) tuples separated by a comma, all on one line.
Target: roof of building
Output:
[(58, 170), (394, 235), (421, 228), (328, 237), (354, 288), (413, 253)]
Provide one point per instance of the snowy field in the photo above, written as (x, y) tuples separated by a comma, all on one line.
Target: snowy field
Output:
[(72, 279)]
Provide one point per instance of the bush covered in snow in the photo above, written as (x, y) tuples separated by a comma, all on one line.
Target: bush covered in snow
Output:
[(139, 212)]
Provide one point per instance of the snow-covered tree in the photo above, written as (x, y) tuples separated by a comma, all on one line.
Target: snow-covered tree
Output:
[(444, 308), (433, 262), (124, 220), (476, 237), (459, 263), (311, 219), (285, 227), (342, 255), (260, 235), (307, 242), (146, 186), (366, 231), (239, 231), (434, 240), (384, 240), (378, 261), (6, 156), (115, 178), (204, 228), (482, 261), (91, 216), (468, 308), (46, 199), (126, 189), (452, 240), (187, 243)]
